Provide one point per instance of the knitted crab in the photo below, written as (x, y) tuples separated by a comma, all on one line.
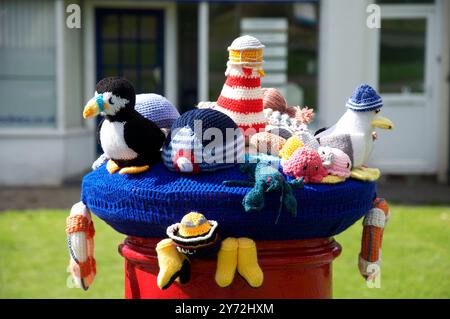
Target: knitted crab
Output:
[(265, 178)]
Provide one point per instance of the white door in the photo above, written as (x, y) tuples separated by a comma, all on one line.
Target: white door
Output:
[(407, 59)]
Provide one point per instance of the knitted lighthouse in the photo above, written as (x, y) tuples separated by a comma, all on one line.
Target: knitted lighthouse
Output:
[(241, 96)]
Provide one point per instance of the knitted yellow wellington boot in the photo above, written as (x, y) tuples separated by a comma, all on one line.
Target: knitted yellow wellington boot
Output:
[(227, 262), (248, 266), (171, 264)]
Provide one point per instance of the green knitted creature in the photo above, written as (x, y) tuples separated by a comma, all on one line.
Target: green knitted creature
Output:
[(265, 178)]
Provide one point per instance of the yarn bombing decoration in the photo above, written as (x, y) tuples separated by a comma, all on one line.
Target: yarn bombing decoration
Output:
[(131, 141), (80, 240), (374, 223), (193, 237), (265, 178), (157, 109), (305, 162), (282, 119), (353, 133), (190, 147), (291, 145), (267, 143), (197, 237), (241, 95), (336, 162), (161, 198)]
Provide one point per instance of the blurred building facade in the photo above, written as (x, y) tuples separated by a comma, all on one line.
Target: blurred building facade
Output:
[(316, 53)]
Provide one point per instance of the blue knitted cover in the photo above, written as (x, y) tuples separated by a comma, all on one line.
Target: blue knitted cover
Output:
[(146, 204)]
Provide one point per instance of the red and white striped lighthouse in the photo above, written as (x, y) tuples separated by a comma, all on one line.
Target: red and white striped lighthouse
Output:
[(241, 96)]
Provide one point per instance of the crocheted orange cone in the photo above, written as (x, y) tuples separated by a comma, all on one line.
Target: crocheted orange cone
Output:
[(241, 97)]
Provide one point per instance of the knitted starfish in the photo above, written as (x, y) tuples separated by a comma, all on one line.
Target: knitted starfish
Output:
[(265, 178)]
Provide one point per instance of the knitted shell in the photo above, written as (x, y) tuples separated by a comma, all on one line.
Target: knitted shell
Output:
[(267, 143), (305, 162), (272, 99), (291, 145), (203, 140), (157, 109)]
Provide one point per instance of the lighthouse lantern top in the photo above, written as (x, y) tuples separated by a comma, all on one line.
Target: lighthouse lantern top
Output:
[(246, 50), (245, 42)]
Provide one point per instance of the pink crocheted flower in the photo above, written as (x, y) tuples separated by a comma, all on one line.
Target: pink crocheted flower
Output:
[(305, 162)]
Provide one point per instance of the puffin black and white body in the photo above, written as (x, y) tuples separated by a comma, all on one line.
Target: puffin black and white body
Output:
[(131, 141)]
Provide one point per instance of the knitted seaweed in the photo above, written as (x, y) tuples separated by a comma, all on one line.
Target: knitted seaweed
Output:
[(265, 178)]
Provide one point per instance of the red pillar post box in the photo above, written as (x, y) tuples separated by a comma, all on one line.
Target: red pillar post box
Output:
[(292, 269)]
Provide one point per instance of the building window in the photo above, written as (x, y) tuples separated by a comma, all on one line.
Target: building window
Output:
[(27, 64), (290, 33), (402, 55), (130, 44)]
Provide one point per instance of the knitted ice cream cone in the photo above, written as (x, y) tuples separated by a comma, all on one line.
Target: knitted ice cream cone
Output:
[(241, 97)]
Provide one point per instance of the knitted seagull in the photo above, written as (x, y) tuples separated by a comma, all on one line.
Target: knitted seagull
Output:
[(353, 133)]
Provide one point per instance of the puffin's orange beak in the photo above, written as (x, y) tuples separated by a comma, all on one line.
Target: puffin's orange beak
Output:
[(91, 109)]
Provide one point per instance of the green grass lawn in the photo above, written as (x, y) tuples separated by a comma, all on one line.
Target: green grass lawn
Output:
[(416, 257)]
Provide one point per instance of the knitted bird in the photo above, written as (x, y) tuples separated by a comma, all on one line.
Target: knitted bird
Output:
[(353, 132), (131, 141), (155, 108)]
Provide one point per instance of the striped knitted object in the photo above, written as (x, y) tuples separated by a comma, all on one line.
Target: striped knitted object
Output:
[(373, 227), (80, 240), (364, 98), (157, 109), (203, 140), (241, 97)]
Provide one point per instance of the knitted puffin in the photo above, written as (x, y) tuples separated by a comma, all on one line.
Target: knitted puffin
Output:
[(131, 141), (155, 108), (353, 133)]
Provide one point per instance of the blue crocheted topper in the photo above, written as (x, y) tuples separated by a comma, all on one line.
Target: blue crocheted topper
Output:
[(364, 99)]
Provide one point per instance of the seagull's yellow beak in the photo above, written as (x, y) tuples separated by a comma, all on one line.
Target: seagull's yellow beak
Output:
[(91, 109), (383, 123)]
